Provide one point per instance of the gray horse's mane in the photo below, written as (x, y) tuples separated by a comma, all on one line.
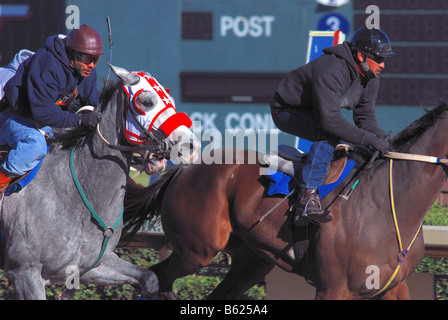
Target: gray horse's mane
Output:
[(69, 137)]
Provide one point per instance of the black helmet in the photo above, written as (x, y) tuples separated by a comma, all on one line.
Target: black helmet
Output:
[(372, 42)]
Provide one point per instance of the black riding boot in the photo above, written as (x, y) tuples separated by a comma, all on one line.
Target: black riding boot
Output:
[(309, 207)]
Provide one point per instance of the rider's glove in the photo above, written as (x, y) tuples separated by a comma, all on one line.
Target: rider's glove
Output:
[(381, 145), (89, 119)]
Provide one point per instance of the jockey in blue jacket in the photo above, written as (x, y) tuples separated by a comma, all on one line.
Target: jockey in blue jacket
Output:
[(38, 96)]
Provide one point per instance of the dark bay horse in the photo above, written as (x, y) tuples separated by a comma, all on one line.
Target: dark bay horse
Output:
[(52, 230), (209, 208)]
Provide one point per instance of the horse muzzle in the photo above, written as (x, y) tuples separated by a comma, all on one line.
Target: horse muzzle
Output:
[(184, 151)]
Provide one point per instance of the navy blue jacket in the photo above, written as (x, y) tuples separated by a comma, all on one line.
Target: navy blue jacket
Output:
[(45, 79)]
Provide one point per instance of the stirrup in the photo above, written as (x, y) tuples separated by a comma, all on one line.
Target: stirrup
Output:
[(301, 218)]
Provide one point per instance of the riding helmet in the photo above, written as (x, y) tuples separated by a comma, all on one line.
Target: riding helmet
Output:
[(372, 42), (86, 40)]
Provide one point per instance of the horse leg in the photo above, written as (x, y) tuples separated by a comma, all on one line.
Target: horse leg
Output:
[(399, 292), (247, 269), (66, 294), (28, 284), (196, 228), (115, 271), (177, 266), (166, 278)]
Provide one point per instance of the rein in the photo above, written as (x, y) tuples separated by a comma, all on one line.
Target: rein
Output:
[(155, 144), (415, 157), (108, 231), (159, 147), (402, 253)]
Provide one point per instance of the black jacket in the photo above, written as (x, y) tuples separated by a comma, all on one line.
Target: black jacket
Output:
[(328, 84)]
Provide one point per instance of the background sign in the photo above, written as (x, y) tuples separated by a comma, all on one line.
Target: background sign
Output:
[(223, 59), (333, 22)]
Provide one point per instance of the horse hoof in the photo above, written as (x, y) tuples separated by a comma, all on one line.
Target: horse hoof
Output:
[(165, 296), (160, 296)]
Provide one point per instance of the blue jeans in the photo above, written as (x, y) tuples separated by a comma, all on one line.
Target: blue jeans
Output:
[(28, 144), (304, 124)]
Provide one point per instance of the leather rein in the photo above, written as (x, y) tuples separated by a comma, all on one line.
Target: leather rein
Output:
[(157, 145), (403, 252)]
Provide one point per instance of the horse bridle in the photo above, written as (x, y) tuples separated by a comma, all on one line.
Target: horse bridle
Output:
[(156, 144)]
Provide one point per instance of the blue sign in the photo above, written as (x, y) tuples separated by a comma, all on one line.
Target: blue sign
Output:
[(333, 22), (14, 11), (317, 43)]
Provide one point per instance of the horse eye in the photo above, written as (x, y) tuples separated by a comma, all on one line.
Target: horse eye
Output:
[(148, 103), (146, 100)]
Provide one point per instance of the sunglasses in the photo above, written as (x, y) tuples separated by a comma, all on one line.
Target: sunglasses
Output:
[(87, 58), (378, 59)]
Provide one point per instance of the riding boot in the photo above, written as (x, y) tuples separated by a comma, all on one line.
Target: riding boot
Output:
[(5, 179), (309, 207)]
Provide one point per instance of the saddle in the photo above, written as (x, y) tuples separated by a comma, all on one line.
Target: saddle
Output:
[(283, 166), (286, 163)]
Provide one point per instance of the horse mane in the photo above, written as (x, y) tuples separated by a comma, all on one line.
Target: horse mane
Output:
[(418, 127), (401, 141), (143, 203), (69, 137)]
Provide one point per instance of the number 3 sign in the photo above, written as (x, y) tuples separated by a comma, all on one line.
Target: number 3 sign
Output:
[(334, 22)]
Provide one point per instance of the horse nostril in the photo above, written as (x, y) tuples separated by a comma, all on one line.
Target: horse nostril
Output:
[(186, 146)]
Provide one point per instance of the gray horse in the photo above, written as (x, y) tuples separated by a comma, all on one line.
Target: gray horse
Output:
[(68, 218)]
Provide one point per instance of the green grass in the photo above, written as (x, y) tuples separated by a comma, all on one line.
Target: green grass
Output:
[(197, 286), (437, 215), (142, 178)]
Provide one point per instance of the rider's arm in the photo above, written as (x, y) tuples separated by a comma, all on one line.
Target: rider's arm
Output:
[(44, 87)]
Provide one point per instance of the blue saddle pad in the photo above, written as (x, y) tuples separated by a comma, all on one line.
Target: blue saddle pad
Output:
[(19, 185), (281, 183)]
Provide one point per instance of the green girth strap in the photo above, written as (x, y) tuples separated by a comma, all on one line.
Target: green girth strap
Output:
[(108, 231)]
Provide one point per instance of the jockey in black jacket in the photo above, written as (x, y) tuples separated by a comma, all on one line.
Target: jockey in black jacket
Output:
[(307, 103)]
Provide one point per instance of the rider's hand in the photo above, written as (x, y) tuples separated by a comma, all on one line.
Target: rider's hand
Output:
[(89, 119), (381, 145)]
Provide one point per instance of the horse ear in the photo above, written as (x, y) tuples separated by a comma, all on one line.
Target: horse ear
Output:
[(124, 75)]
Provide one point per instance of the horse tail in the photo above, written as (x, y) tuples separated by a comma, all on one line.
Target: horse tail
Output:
[(144, 203)]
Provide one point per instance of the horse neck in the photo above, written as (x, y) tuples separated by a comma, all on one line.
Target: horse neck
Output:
[(99, 157), (417, 184), (433, 141), (111, 124)]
